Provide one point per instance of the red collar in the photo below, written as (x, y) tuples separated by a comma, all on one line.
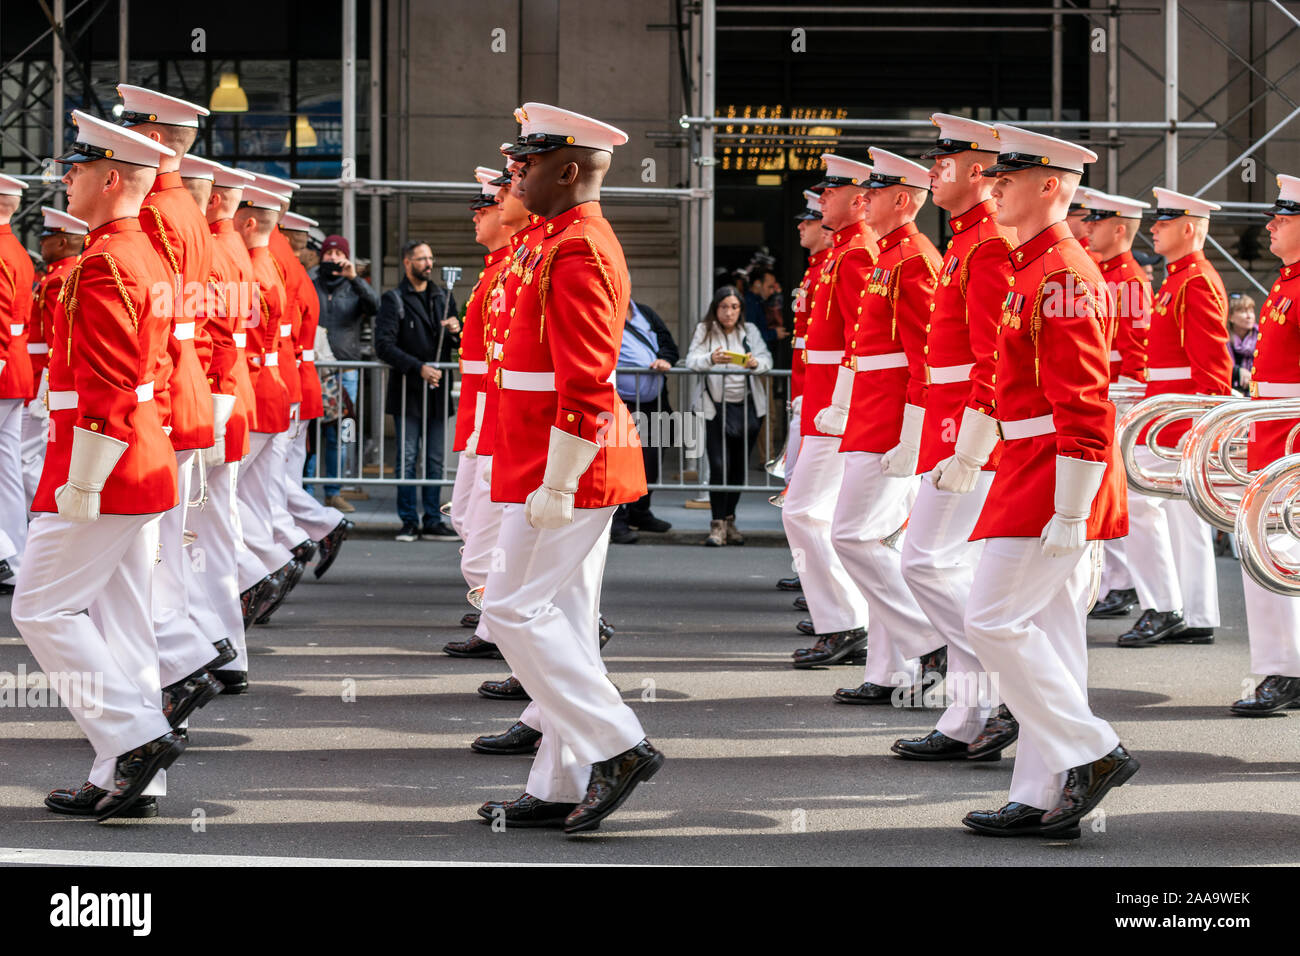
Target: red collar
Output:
[(980, 212), (816, 258), (571, 217), (127, 224), (163, 181), (6, 230), (849, 233), (1123, 260), (1291, 270), (899, 236), (496, 255), (221, 226), (1027, 252), (1186, 262)]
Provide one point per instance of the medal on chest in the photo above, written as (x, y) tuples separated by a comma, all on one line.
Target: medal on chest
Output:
[(517, 258), (1011, 307), (800, 299), (1162, 303), (949, 268), (879, 282), (1277, 311), (531, 265)]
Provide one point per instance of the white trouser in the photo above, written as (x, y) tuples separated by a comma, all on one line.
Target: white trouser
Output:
[(541, 606), (13, 494), (834, 601), (461, 491), (792, 443), (1026, 622), (105, 566), (939, 565), (214, 583), (261, 479), (287, 531), (1273, 621), (1115, 575), (872, 506), (313, 518), (33, 438), (1170, 553), (182, 647)]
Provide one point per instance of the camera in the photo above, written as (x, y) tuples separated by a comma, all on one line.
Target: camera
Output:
[(450, 275)]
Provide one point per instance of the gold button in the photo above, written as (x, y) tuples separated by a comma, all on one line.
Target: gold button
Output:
[(512, 310), (957, 224), (853, 344), (862, 293), (859, 310), (855, 326), (995, 378), (985, 219), (507, 333), (94, 426), (995, 354), (931, 306), (1051, 248), (550, 226), (571, 416), (480, 275), (927, 326), (927, 350), (1011, 280)]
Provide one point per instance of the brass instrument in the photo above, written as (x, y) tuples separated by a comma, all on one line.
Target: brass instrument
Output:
[(1157, 412), (1268, 507)]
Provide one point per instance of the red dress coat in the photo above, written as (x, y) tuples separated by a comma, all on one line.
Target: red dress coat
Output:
[(1131, 305), (567, 325), (232, 272), (963, 330), (180, 236), (44, 301), (283, 256), (107, 342), (841, 283), (313, 405), (887, 328), (803, 301), (1276, 372), (1187, 348), (1053, 360), (473, 343), (264, 346), (16, 277)]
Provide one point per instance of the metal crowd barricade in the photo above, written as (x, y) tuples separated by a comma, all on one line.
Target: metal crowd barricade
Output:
[(675, 433)]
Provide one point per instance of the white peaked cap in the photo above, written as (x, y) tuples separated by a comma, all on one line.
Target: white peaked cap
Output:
[(960, 133), (226, 177), (1081, 196), (100, 139), (813, 210), (890, 169), (297, 223), (1024, 149), (259, 199), (1103, 205), (1288, 197), (1172, 205), (56, 220), (549, 127), (140, 105), (195, 167), (485, 175), (842, 171), (10, 186), (275, 185)]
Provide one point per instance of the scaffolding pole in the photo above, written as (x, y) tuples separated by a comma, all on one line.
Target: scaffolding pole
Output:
[(1171, 94), (376, 153), (123, 40), (349, 170), (706, 159)]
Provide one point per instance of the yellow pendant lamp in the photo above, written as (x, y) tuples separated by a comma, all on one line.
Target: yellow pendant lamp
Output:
[(306, 135), (229, 96)]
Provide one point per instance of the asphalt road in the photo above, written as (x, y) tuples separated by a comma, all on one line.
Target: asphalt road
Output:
[(763, 768)]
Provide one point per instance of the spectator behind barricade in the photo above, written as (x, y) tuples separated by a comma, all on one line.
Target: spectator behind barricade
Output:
[(416, 327), (1243, 332), (647, 343), (761, 311), (346, 300), (1153, 265), (732, 406)]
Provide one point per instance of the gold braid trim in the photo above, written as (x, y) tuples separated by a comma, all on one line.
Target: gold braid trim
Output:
[(68, 298), (896, 285), (162, 234), (970, 253), (13, 285)]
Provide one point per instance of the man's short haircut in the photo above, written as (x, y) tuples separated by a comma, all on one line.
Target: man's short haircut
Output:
[(760, 272), (409, 247)]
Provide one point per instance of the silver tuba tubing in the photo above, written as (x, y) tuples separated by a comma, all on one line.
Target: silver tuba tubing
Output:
[(1159, 411), (1268, 507)]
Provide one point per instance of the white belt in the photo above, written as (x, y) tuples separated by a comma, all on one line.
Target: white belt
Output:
[(271, 358), (1026, 428), (309, 355), (183, 331), (1277, 389), (16, 328), (59, 401), (471, 367), (947, 374), (37, 348), (798, 343), (1169, 374), (496, 350), (533, 381), (1115, 356), (874, 363), (241, 339), (286, 328), (819, 357)]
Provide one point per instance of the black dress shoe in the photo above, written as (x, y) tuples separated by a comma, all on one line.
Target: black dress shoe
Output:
[(470, 619), (864, 693), (934, 746), (623, 535), (789, 584), (290, 574), (1273, 694), (133, 771), (81, 803), (806, 627), (182, 698), (1191, 635), (249, 600), (1116, 603), (801, 603), (330, 545), (1085, 785), (648, 522), (1013, 820), (831, 648), (474, 647), (1152, 627), (1000, 732), (508, 689), (264, 599), (519, 739), (606, 630), (225, 654), (526, 811), (232, 682), (304, 551), (612, 781)]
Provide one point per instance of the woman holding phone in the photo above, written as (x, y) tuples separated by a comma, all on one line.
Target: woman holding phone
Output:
[(732, 406)]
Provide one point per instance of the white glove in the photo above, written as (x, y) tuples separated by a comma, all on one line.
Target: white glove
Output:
[(901, 460), (94, 456), (3, 363), (976, 439), (471, 444), (796, 407), (1077, 482), (567, 458), (223, 406), (834, 418)]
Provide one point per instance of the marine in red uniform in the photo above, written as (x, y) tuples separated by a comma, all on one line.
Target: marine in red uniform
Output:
[(17, 385), (1170, 550), (573, 456), (1077, 217), (109, 475), (1273, 620), (817, 242), (881, 424), (960, 343), (1058, 487)]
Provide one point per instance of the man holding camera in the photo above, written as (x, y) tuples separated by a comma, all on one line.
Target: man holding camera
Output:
[(416, 327)]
